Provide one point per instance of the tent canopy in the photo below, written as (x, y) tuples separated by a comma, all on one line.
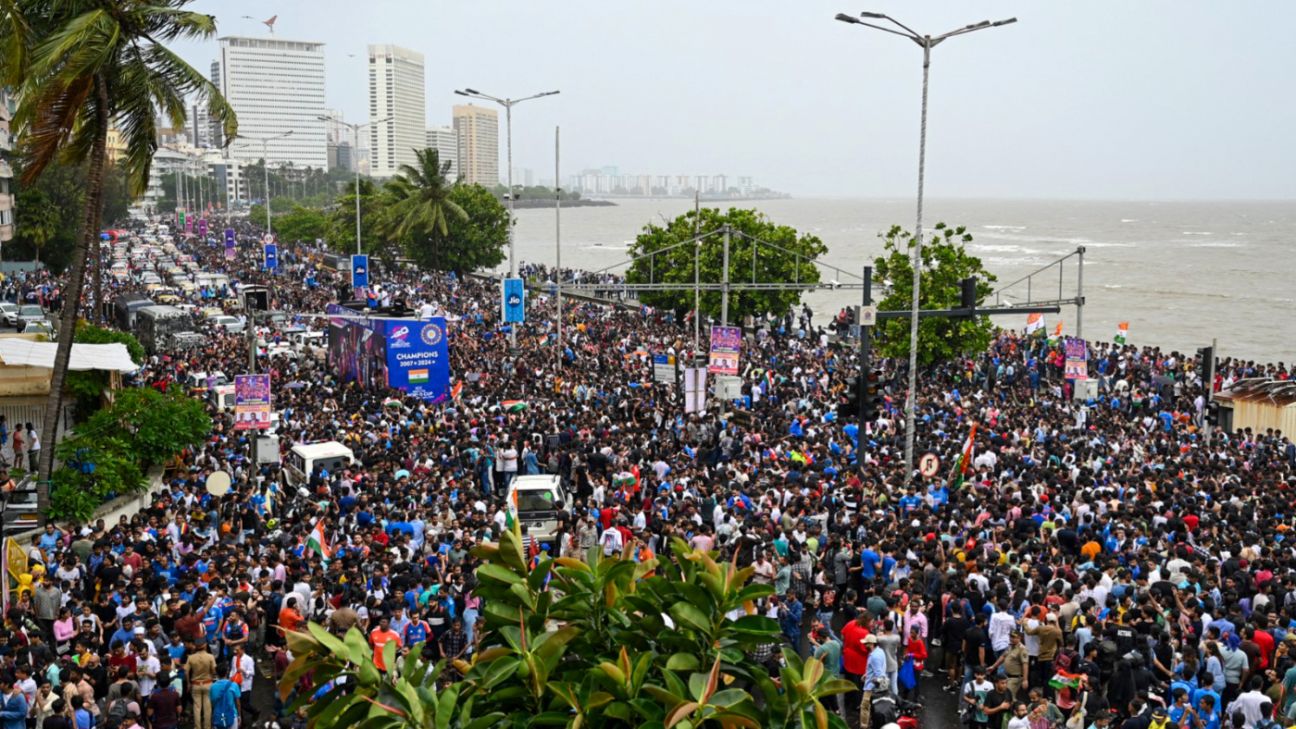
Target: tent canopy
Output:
[(109, 357)]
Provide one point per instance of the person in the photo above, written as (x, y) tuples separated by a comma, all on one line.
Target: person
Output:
[(1015, 665), (242, 672), (790, 615), (379, 637), (33, 447), (200, 671), (57, 718), (14, 709), (875, 678), (828, 650), (974, 696), (1020, 717), (855, 653), (225, 700), (1249, 702), (916, 654), (164, 704)]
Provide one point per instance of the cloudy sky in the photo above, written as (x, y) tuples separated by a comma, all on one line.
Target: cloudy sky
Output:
[(1158, 99)]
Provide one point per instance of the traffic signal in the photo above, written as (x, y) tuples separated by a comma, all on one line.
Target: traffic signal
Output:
[(1207, 355), (872, 396), (1213, 413), (968, 293), (849, 406)]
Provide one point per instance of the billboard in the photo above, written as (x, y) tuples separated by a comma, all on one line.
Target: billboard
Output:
[(252, 402), (513, 302), (726, 342), (271, 256), (360, 271), (418, 357), (230, 251), (405, 354)]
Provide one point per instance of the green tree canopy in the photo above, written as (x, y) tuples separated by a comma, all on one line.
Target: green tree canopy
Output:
[(605, 642), (945, 263), (88, 385), (340, 233), (772, 265), (472, 243), (302, 225)]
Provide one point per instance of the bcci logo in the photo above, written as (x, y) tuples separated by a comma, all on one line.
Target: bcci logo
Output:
[(432, 335), (399, 338)]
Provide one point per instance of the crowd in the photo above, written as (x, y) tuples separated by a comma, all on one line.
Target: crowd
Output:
[(1098, 562)]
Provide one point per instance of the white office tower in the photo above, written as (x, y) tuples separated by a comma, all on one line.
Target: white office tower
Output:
[(396, 94), (276, 86)]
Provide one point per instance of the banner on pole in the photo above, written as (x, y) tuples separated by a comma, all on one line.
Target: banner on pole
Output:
[(665, 369), (230, 250), (726, 343), (694, 389), (359, 271), (202, 227), (271, 256), (252, 402), (514, 301)]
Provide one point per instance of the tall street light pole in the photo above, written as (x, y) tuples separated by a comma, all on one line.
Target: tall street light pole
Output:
[(265, 166), (355, 134), (927, 43), (508, 105)]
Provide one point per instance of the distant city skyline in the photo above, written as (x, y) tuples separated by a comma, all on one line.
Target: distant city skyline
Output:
[(1161, 99)]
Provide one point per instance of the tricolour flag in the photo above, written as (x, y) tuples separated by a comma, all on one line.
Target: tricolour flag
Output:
[(317, 543), (418, 377), (1122, 332), (965, 458), (514, 406), (510, 514), (1034, 323), (457, 390), (1057, 332)]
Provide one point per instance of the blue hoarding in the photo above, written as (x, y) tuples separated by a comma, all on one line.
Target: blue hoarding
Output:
[(418, 357), (514, 301), (271, 256), (360, 271), (229, 243)]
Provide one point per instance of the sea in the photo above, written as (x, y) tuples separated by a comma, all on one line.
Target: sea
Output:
[(1181, 273)]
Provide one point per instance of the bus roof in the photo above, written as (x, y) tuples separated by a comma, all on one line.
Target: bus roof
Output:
[(327, 449)]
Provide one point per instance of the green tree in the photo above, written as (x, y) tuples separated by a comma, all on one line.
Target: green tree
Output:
[(89, 64), (772, 265), (87, 386), (341, 229), (301, 225), (472, 243), (571, 643), (48, 215), (111, 451), (419, 207), (945, 263)]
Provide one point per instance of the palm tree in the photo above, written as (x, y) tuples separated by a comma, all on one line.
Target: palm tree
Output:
[(419, 204), (90, 65)]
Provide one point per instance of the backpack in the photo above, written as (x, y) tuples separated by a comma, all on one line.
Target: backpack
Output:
[(116, 714)]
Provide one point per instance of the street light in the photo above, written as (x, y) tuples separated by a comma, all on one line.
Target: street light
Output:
[(355, 133), (927, 43), (508, 127), (265, 165)]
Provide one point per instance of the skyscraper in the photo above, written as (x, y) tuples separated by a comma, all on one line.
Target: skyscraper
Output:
[(396, 93), (446, 143), (276, 86), (478, 131)]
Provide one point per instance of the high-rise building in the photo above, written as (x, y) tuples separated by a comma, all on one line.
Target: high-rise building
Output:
[(275, 86), (477, 129), (6, 172), (396, 93), (446, 143)]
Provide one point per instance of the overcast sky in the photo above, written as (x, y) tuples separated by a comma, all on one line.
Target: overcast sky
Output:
[(1157, 99)]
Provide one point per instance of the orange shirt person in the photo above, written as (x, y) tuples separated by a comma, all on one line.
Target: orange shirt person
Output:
[(379, 637), (290, 619)]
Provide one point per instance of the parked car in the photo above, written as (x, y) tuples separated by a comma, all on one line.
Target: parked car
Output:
[(9, 312), (39, 327), (29, 312), (232, 324)]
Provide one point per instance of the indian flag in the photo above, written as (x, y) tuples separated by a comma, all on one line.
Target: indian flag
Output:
[(1122, 332), (1057, 332), (418, 377), (317, 543), (514, 406), (456, 390), (510, 514), (1034, 323), (965, 458)]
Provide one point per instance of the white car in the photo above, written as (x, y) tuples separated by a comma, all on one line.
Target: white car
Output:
[(232, 324), (9, 312), (29, 313)]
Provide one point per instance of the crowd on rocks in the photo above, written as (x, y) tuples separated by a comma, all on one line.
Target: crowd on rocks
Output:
[(1095, 563)]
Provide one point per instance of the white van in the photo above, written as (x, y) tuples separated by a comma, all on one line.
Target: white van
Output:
[(304, 458), (535, 501), (221, 397)]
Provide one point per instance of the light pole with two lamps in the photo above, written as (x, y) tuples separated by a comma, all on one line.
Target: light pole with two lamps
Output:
[(265, 163), (355, 134), (927, 43), (508, 105)]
